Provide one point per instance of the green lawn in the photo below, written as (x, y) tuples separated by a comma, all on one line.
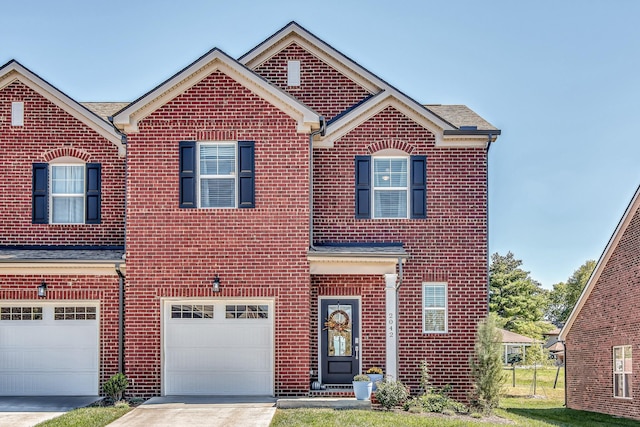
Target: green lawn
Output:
[(97, 416)]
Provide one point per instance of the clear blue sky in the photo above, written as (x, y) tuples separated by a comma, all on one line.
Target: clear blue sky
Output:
[(560, 78)]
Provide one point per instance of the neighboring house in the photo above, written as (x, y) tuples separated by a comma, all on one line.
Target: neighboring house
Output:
[(290, 218), (602, 334), (514, 345)]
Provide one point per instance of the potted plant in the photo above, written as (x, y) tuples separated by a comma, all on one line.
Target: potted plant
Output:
[(362, 387), (375, 374)]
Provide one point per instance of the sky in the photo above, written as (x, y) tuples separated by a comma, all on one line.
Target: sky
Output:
[(560, 78)]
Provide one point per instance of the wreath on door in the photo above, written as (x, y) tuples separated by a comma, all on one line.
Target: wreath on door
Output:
[(338, 321)]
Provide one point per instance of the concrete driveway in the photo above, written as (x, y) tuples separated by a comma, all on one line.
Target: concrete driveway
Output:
[(176, 411), (27, 411)]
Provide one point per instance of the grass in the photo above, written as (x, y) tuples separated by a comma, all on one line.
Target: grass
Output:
[(97, 416), (518, 407)]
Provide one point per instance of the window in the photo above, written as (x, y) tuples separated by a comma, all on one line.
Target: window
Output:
[(188, 311), (74, 313), (390, 186), (390, 192), (250, 311), (434, 303), (216, 174), (20, 313), (622, 371), (66, 193)]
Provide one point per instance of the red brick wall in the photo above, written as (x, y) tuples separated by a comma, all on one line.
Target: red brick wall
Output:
[(450, 245), (50, 132), (608, 318), (257, 252), (321, 87), (76, 287)]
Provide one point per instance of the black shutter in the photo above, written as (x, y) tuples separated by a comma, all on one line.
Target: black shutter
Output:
[(363, 187), (40, 193), (93, 194), (418, 187), (246, 174), (187, 174)]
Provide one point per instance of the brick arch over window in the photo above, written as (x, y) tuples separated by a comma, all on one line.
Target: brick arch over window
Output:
[(390, 144), (67, 152)]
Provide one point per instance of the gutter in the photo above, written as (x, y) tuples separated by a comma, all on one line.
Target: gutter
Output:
[(321, 132), (121, 278)]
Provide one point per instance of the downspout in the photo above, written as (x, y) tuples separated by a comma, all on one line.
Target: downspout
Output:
[(564, 345), (120, 319), (321, 131), (487, 216)]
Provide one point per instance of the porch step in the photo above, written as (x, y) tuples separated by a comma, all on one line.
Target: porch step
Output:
[(323, 402)]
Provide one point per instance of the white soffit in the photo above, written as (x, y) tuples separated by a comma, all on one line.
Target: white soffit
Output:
[(13, 71), (216, 60)]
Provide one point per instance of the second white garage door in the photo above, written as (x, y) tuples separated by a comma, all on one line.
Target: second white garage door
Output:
[(218, 347)]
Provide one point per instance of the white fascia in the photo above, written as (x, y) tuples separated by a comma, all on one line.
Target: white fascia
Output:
[(14, 71), (127, 120)]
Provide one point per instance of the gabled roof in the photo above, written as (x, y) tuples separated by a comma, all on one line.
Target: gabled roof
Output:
[(602, 262), (13, 71), (474, 131), (215, 60), (513, 338)]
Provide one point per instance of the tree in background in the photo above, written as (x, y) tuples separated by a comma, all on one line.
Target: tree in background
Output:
[(564, 296), (519, 301)]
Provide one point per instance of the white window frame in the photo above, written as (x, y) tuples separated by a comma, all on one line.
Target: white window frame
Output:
[(389, 155), (62, 162), (619, 369), (201, 176), (445, 308)]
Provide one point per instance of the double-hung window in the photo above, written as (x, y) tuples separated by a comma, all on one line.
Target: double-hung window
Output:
[(389, 185), (622, 371), (434, 304), (217, 174), (66, 191)]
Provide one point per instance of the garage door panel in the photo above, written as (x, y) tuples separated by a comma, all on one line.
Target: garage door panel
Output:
[(219, 355), (45, 356)]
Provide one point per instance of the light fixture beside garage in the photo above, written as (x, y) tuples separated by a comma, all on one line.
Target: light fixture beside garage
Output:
[(216, 284), (42, 289)]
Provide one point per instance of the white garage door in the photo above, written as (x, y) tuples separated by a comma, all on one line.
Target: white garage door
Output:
[(218, 347), (49, 348)]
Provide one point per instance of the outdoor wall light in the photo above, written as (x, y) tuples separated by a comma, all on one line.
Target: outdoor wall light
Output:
[(216, 284), (42, 289)]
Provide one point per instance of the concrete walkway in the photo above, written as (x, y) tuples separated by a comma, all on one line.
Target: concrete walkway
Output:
[(212, 411), (30, 410)]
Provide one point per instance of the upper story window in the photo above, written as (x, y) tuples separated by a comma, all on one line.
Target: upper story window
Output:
[(217, 174), (390, 190), (389, 185), (66, 191), (67, 194), (622, 362)]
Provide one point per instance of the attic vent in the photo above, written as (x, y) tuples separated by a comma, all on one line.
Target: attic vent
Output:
[(293, 73), (17, 114), (468, 127)]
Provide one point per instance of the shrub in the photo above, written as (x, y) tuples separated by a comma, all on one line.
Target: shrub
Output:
[(425, 378), (436, 402), (486, 366), (115, 386), (362, 378), (391, 393), (374, 370)]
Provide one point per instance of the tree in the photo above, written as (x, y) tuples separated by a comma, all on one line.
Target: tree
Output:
[(486, 366), (564, 296), (513, 294)]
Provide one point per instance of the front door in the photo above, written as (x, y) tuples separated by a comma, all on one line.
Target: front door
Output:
[(339, 340)]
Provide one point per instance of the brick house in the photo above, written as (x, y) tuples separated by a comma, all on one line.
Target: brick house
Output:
[(291, 218), (602, 334)]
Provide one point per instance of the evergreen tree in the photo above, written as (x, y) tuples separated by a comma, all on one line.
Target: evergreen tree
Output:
[(486, 366)]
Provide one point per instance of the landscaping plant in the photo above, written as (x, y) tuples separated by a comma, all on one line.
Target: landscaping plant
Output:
[(391, 393), (486, 366), (115, 387)]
